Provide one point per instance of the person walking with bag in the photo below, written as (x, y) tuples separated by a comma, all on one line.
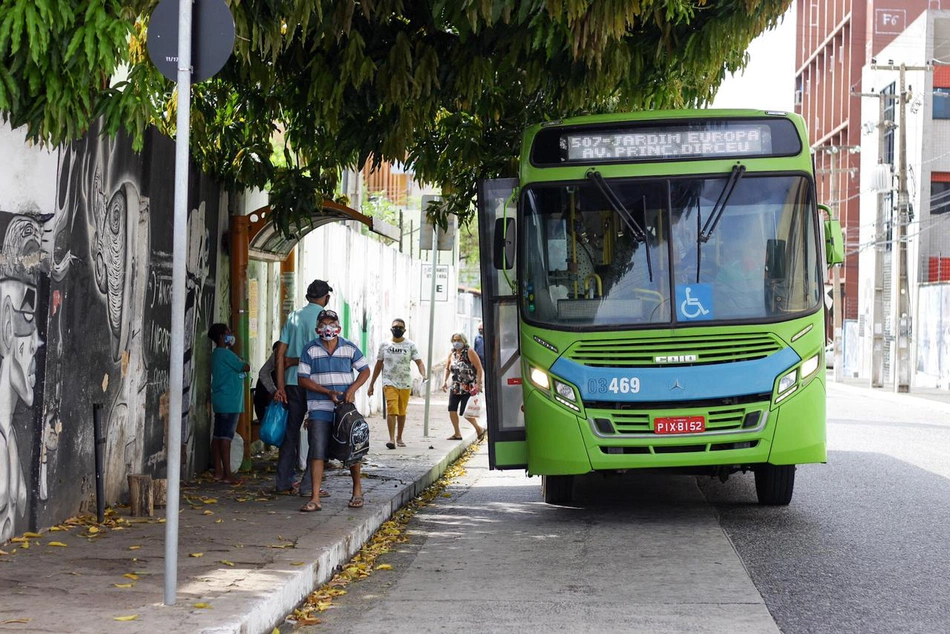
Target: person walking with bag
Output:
[(394, 362), (326, 372), (467, 375), (296, 334)]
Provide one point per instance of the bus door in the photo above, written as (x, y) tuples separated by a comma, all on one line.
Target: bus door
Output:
[(497, 223)]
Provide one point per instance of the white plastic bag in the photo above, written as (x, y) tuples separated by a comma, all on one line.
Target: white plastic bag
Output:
[(475, 405)]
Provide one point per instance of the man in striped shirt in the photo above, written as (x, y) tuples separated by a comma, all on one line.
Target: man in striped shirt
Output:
[(325, 370)]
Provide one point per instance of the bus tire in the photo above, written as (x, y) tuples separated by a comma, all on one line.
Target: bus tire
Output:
[(557, 489), (774, 484)]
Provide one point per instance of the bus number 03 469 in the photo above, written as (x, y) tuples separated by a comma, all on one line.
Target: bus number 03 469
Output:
[(622, 385)]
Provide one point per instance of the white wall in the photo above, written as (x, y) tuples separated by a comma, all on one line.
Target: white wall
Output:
[(27, 173)]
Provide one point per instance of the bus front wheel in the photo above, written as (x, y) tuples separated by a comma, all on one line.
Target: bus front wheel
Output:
[(557, 489), (774, 484)]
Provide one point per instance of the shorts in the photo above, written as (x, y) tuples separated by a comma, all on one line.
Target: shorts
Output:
[(225, 425), (458, 402), (397, 400), (318, 438)]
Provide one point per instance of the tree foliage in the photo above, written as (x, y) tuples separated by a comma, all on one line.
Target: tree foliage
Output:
[(445, 86)]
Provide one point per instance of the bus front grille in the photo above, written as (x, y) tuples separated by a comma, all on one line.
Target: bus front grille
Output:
[(674, 351), (629, 421)]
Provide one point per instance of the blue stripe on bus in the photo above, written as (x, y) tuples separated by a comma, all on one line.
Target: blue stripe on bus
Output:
[(677, 384)]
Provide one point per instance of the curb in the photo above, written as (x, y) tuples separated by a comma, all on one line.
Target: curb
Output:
[(295, 584)]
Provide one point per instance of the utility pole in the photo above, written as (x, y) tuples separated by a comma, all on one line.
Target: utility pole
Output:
[(901, 321), (837, 304), (877, 306), (880, 238)]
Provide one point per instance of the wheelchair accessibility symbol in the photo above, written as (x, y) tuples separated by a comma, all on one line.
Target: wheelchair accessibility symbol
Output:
[(694, 302)]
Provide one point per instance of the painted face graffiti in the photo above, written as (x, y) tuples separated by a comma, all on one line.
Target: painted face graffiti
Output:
[(20, 339), (21, 260)]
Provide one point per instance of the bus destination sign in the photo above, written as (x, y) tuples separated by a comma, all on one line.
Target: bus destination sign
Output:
[(733, 140)]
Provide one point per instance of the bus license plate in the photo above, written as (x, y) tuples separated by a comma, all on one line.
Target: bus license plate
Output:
[(679, 425)]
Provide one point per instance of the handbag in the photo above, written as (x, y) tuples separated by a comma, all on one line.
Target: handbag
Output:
[(274, 425), (475, 405)]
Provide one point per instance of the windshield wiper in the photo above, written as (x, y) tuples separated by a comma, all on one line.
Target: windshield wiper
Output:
[(716, 214), (636, 230)]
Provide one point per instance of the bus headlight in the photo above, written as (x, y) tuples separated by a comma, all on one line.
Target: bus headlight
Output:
[(539, 378), (810, 366), (787, 382), (564, 390)]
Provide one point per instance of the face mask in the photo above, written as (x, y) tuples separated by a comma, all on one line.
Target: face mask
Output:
[(229, 340), (457, 345), (328, 332), (398, 332)]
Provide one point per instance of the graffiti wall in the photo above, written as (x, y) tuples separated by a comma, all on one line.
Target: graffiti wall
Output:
[(85, 309)]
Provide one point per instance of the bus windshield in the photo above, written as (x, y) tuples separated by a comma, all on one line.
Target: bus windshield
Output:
[(754, 259)]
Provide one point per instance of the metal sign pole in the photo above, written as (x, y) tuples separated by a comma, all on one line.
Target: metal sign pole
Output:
[(435, 262), (180, 245)]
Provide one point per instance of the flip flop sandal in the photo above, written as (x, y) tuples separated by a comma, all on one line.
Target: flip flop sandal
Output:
[(310, 507), (390, 445), (454, 438), (356, 502), (400, 443)]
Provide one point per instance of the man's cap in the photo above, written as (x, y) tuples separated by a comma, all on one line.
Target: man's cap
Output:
[(318, 289), (327, 314)]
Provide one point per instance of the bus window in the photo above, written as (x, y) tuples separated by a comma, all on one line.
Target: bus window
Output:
[(584, 265)]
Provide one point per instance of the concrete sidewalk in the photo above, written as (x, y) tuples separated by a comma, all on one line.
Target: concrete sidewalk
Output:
[(250, 556), (935, 398)]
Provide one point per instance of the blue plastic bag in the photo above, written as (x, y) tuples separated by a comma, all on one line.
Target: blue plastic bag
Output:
[(274, 425)]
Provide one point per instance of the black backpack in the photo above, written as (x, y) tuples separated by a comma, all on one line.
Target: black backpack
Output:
[(349, 441)]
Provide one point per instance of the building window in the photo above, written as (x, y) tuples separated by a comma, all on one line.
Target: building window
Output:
[(941, 108), (939, 193)]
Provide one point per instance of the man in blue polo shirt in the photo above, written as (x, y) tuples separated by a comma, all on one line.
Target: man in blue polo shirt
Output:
[(326, 371), (294, 337)]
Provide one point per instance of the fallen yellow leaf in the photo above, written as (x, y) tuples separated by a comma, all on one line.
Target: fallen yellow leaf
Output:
[(209, 500), (19, 540), (384, 567), (93, 529), (59, 544), (196, 555), (134, 547), (29, 534), (218, 521), (57, 528), (446, 495), (11, 621), (227, 563), (131, 617), (131, 575), (207, 512), (204, 606), (123, 585), (297, 563), (3, 552)]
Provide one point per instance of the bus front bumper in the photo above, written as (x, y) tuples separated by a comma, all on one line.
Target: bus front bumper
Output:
[(562, 443)]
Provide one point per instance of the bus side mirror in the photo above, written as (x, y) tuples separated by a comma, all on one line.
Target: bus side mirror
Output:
[(775, 259), (504, 247), (834, 242)]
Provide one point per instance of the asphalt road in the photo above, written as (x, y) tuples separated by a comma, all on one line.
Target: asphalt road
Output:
[(863, 547), (865, 544)]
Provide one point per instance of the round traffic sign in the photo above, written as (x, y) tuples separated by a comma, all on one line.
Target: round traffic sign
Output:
[(212, 38)]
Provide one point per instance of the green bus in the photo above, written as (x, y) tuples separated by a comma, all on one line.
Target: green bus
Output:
[(653, 298)]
